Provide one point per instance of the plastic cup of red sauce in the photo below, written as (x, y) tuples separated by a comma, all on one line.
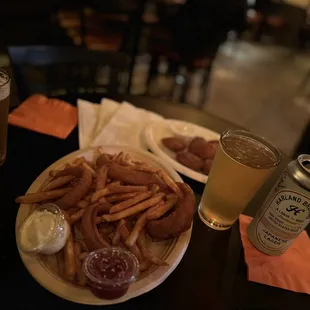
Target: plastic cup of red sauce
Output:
[(110, 271)]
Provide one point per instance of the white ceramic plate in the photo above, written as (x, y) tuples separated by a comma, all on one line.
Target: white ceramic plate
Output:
[(159, 130), (170, 250)]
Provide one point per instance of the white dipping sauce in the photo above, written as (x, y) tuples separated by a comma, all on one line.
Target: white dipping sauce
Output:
[(43, 233)]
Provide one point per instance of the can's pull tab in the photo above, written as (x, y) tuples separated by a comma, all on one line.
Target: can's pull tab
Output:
[(304, 161)]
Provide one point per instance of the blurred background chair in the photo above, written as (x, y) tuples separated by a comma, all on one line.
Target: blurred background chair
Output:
[(69, 72)]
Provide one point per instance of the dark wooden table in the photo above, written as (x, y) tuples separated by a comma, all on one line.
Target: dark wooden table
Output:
[(212, 274)]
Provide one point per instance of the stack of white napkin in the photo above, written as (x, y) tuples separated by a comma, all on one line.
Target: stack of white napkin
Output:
[(111, 122)]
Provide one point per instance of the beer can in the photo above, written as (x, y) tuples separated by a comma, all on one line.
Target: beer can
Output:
[(286, 211)]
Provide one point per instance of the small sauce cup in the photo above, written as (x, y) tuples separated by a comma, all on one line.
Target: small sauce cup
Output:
[(110, 271), (44, 231)]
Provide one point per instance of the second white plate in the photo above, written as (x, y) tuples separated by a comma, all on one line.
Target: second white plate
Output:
[(155, 132)]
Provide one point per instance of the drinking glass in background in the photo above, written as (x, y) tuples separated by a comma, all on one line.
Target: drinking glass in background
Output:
[(4, 109), (242, 163)]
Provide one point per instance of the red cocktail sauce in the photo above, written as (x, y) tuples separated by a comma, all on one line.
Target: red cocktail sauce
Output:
[(110, 271)]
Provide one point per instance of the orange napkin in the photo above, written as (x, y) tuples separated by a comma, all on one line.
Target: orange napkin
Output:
[(49, 116), (290, 271)]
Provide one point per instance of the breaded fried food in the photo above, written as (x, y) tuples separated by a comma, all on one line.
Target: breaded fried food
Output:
[(77, 192), (42, 196), (207, 166), (178, 221), (214, 144), (103, 159), (202, 148), (174, 144), (189, 160), (130, 176), (69, 170), (92, 238)]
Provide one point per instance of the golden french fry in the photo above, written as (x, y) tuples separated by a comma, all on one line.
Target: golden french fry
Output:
[(115, 188), (125, 232), (163, 175), (71, 211), (70, 264), (101, 179), (119, 158), (76, 216), (113, 158), (161, 209), (171, 184), (42, 196), (59, 182), (83, 255), (130, 202), (119, 197), (106, 229), (102, 200), (152, 213), (127, 159), (87, 166), (131, 240), (116, 238), (82, 204), (148, 254), (60, 263), (114, 183), (98, 194), (87, 198), (171, 196), (79, 161), (117, 235), (154, 188), (80, 276), (134, 209), (83, 245)]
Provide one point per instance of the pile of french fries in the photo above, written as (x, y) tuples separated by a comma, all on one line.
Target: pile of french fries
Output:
[(122, 223)]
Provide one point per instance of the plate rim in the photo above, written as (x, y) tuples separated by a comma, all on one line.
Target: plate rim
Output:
[(154, 147), (181, 244)]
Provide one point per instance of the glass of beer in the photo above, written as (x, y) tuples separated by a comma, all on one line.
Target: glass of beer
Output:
[(4, 109), (242, 163)]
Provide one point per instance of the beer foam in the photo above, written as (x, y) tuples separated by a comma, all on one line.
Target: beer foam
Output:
[(249, 152)]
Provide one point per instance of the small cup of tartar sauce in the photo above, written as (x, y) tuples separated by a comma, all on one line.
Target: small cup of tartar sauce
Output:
[(44, 231)]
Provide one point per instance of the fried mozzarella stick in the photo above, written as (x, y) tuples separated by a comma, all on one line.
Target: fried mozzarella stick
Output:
[(130, 202), (153, 213), (42, 196), (134, 209)]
